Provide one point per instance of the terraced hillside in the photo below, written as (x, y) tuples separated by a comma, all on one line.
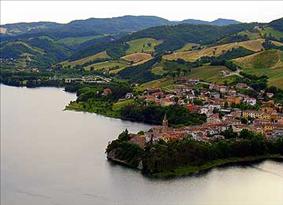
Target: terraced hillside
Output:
[(269, 63)]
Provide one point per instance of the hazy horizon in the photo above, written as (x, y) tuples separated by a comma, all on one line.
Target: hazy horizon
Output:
[(31, 11)]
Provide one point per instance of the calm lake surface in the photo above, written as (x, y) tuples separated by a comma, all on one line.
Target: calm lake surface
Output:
[(51, 156)]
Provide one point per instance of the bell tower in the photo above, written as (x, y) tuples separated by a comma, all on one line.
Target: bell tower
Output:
[(165, 123)]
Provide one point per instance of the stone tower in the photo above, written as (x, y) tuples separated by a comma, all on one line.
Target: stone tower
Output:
[(165, 123)]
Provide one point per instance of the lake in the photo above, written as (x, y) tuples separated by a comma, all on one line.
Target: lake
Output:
[(52, 156)]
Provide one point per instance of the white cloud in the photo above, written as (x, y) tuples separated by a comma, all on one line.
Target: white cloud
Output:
[(65, 11)]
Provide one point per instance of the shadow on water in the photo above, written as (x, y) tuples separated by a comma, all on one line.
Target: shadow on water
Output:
[(243, 165)]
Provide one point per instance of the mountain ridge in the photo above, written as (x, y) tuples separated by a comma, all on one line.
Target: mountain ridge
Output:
[(128, 23)]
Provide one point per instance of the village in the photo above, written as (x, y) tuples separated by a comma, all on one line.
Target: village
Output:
[(224, 106)]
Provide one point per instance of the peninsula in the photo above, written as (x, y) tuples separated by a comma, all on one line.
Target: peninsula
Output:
[(164, 152)]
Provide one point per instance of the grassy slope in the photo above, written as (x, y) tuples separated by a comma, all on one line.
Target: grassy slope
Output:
[(73, 41), (210, 74), (142, 45), (122, 103), (251, 35), (101, 55), (268, 63), (187, 47), (32, 48), (271, 31), (111, 66), (254, 45), (206, 73), (137, 58), (165, 83), (109, 110)]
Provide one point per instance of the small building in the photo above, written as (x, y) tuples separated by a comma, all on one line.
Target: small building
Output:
[(269, 95), (129, 95), (107, 91), (250, 101)]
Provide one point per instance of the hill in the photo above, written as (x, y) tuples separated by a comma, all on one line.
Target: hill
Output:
[(277, 24), (92, 26), (20, 28), (36, 52), (269, 63), (146, 48), (253, 45), (224, 22), (171, 38), (100, 25), (217, 22)]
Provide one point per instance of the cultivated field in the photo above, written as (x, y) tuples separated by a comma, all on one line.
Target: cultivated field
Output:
[(101, 55), (137, 58), (253, 45), (111, 66)]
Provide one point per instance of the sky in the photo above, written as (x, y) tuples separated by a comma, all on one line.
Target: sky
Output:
[(66, 11)]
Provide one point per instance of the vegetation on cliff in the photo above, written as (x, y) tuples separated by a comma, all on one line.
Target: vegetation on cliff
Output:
[(187, 156)]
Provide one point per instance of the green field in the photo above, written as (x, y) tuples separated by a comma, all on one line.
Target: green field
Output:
[(142, 45), (269, 63)]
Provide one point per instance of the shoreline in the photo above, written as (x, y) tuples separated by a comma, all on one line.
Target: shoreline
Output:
[(187, 171), (180, 171), (229, 162)]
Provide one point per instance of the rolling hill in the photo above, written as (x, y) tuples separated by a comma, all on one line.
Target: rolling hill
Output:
[(99, 25), (269, 63), (253, 45), (148, 48), (217, 22)]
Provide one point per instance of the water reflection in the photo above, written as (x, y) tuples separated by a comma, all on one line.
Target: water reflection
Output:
[(51, 156)]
